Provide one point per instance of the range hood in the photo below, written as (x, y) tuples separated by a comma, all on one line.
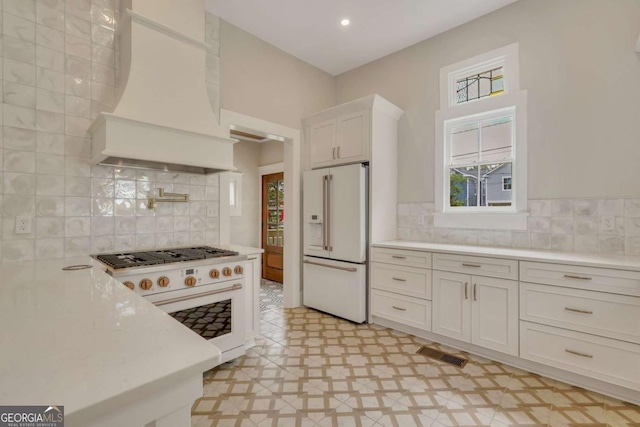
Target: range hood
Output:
[(163, 117)]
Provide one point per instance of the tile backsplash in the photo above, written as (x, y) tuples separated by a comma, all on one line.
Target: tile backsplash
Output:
[(58, 73), (558, 224)]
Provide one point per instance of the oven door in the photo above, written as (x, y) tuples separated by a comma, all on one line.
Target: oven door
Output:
[(215, 312)]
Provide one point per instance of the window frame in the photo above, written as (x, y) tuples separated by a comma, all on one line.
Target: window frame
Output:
[(511, 100)]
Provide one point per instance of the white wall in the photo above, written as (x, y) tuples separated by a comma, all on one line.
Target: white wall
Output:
[(244, 228), (578, 64), (260, 80), (271, 152)]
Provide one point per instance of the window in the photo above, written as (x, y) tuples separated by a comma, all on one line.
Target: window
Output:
[(235, 193), (481, 144), (506, 183)]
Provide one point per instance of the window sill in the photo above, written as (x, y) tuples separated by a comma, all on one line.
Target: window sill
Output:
[(482, 221)]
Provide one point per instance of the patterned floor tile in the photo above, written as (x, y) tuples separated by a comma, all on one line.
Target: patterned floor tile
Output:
[(271, 295), (311, 369)]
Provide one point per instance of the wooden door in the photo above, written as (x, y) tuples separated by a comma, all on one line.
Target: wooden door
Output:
[(452, 305), (272, 226)]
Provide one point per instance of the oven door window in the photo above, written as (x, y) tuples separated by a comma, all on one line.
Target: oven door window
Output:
[(209, 321)]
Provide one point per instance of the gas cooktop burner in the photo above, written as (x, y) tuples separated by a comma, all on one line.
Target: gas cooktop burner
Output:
[(164, 256)]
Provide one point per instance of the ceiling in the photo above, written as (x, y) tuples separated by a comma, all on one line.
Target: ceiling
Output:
[(311, 30)]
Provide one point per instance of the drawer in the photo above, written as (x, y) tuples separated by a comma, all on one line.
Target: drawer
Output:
[(408, 281), (481, 266), (617, 362), (399, 308), (401, 257), (588, 278), (608, 315)]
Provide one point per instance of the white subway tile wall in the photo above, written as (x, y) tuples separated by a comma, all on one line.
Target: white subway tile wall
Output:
[(58, 73), (557, 225)]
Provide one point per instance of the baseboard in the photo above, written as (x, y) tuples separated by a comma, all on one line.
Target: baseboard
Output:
[(602, 387)]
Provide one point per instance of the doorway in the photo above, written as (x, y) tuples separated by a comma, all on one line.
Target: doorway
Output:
[(293, 179), (273, 226)]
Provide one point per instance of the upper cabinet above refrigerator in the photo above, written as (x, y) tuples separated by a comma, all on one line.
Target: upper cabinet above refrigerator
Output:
[(344, 134), (342, 140)]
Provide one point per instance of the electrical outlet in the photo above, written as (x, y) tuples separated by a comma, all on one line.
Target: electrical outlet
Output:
[(23, 224), (607, 223)]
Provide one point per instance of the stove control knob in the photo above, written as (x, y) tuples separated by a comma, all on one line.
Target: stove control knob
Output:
[(214, 273), (190, 281), (163, 281), (146, 284), (129, 285), (226, 271), (238, 269)]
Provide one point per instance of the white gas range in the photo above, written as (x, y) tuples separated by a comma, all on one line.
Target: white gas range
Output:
[(201, 287)]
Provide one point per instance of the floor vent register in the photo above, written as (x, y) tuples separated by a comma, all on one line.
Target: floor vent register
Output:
[(442, 356)]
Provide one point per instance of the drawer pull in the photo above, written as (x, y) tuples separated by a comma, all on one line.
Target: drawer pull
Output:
[(397, 279), (399, 308), (464, 264), (577, 353), (577, 310), (398, 257), (573, 276)]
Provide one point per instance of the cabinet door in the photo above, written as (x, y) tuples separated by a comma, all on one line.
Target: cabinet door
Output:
[(252, 296), (452, 305), (353, 137), (494, 314), (322, 142)]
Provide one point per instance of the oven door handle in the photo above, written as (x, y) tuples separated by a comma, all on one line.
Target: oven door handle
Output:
[(235, 287)]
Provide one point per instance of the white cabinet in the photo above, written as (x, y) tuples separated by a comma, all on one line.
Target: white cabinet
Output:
[(341, 140), (451, 305), (400, 291), (352, 137), (322, 139), (476, 309), (252, 297)]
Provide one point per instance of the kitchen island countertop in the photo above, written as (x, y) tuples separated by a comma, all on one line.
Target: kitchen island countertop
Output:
[(83, 340)]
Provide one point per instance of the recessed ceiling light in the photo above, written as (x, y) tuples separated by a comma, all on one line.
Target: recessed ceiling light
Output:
[(345, 22)]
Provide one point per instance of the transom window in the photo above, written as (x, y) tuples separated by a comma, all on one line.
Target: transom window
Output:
[(480, 85)]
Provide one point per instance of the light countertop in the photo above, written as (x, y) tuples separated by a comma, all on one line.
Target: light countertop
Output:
[(242, 250), (621, 262), (82, 340)]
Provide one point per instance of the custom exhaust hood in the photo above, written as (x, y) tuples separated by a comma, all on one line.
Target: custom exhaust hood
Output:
[(163, 117)]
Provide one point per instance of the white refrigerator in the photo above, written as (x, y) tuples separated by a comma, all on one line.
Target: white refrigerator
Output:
[(335, 241)]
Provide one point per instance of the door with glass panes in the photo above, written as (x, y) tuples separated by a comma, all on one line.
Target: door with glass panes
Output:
[(272, 226)]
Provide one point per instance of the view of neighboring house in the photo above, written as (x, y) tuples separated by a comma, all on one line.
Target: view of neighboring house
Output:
[(493, 188)]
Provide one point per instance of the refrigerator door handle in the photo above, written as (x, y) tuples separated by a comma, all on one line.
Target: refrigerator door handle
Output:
[(349, 269), (328, 216), (324, 212)]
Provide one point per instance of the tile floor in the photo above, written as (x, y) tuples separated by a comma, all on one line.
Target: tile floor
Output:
[(312, 369), (271, 295)]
